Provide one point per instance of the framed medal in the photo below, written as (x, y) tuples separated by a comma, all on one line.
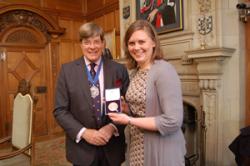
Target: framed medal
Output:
[(112, 100)]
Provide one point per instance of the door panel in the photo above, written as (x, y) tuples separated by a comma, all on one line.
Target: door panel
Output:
[(26, 64)]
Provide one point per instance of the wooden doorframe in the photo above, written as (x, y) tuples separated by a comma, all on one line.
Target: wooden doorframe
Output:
[(2, 98), (247, 68)]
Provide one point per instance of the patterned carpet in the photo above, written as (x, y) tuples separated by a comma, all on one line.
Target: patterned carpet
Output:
[(47, 153), (51, 153)]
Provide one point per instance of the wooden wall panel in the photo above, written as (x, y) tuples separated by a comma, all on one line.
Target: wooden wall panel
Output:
[(48, 4), (100, 10), (40, 121), (25, 2), (118, 46), (100, 21), (66, 52), (93, 5), (76, 26), (109, 21), (106, 2), (64, 5), (68, 25), (69, 47), (77, 50), (112, 22), (117, 20)]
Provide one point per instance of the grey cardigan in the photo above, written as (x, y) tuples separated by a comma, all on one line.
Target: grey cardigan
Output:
[(164, 102)]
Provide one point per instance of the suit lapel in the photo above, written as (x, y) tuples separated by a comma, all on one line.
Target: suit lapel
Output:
[(83, 79), (107, 74)]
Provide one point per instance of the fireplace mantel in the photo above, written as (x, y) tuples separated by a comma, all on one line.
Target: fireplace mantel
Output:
[(209, 64), (209, 61)]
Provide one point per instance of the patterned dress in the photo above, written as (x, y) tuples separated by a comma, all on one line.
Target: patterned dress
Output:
[(136, 97)]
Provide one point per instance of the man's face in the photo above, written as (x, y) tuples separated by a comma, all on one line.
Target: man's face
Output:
[(92, 48)]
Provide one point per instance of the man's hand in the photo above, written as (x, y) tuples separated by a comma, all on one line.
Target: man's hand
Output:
[(95, 137), (107, 131), (151, 15)]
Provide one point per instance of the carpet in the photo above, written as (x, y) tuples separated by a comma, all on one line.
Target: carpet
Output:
[(51, 153)]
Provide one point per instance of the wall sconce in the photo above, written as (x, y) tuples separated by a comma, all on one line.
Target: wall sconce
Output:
[(244, 11), (2, 56)]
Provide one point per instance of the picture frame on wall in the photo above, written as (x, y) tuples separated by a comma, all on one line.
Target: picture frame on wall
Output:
[(111, 42), (165, 15)]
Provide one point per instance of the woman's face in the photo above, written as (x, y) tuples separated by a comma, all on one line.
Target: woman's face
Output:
[(140, 47)]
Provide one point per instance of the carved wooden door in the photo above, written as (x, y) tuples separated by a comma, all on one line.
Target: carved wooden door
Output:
[(29, 64)]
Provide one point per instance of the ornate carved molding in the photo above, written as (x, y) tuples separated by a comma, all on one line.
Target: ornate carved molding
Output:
[(22, 36), (209, 107), (23, 16), (186, 61), (204, 22), (209, 84), (211, 112), (205, 6)]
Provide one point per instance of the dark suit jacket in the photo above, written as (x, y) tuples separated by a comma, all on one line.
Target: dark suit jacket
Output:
[(73, 110), (241, 147)]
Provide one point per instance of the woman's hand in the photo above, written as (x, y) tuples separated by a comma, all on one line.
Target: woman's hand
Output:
[(120, 118), (147, 123)]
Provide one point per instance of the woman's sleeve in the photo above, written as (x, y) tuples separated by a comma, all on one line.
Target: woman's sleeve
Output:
[(169, 93)]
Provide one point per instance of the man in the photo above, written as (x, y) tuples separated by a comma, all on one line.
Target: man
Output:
[(91, 138)]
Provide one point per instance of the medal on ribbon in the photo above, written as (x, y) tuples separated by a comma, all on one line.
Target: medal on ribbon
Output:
[(94, 91)]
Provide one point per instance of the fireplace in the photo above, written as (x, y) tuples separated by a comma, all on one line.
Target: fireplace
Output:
[(202, 104), (190, 130)]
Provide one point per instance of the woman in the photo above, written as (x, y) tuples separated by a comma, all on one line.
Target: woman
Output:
[(154, 100)]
